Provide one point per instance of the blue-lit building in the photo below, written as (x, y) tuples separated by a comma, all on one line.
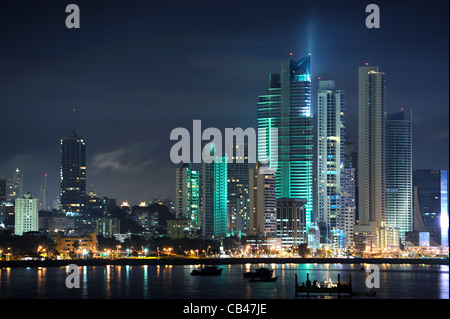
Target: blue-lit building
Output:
[(399, 189), (432, 190), (286, 110), (330, 160)]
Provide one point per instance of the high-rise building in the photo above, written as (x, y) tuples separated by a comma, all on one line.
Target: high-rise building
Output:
[(330, 154), (187, 201), (286, 110), (291, 222), (2, 191), (263, 205), (238, 189), (214, 197), (43, 197), (26, 214), (346, 219), (371, 149), (432, 190), (14, 186), (399, 189), (73, 174)]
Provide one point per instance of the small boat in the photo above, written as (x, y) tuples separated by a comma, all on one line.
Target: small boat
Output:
[(259, 273), (264, 279), (207, 271)]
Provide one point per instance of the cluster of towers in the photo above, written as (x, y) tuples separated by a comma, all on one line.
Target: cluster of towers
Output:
[(319, 188)]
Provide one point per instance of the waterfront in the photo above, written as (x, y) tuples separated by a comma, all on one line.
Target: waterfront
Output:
[(397, 281)]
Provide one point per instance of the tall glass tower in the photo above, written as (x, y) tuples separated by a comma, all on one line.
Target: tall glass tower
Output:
[(432, 188), (399, 190), (371, 147), (330, 154), (285, 131), (214, 197), (73, 174)]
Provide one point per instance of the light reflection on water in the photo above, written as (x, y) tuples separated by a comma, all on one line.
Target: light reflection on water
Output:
[(154, 282)]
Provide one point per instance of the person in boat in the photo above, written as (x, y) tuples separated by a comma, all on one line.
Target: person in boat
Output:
[(315, 284)]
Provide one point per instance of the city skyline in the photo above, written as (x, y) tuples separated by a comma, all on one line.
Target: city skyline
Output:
[(117, 76)]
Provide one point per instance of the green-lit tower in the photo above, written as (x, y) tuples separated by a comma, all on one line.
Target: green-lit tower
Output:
[(285, 131), (214, 197)]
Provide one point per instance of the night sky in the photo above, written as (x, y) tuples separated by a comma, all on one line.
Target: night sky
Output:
[(135, 70)]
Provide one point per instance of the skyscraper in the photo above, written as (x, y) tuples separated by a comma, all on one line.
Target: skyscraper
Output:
[(287, 108), (263, 205), (214, 197), (14, 186), (330, 155), (2, 191), (432, 190), (26, 214), (371, 149), (73, 174), (399, 189), (43, 197), (238, 189), (187, 201)]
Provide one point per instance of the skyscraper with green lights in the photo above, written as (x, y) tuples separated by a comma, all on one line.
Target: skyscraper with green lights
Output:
[(285, 131), (214, 197), (187, 201)]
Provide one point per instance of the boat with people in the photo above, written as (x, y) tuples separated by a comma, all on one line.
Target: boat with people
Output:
[(207, 271), (324, 287)]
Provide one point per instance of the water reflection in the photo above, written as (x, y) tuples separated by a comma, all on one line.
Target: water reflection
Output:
[(396, 281)]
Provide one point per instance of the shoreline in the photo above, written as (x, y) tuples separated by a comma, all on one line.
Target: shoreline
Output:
[(217, 261)]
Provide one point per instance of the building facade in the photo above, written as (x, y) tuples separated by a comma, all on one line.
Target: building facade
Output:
[(371, 148), (291, 222), (263, 205), (187, 201), (432, 193), (73, 174), (285, 131), (330, 155), (399, 188), (26, 214), (214, 209)]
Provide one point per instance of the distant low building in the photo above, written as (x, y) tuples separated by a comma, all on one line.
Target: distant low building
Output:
[(181, 228), (107, 227), (84, 243)]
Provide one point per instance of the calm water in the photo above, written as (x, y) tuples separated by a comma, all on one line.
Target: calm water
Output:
[(167, 282)]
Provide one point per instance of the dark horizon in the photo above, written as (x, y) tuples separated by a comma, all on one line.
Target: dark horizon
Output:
[(133, 73)]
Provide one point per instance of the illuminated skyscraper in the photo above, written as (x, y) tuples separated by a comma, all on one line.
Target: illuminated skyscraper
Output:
[(73, 174), (26, 214), (287, 108), (399, 189), (432, 189), (187, 201), (214, 197), (14, 187), (330, 155), (263, 205), (238, 189), (371, 149)]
